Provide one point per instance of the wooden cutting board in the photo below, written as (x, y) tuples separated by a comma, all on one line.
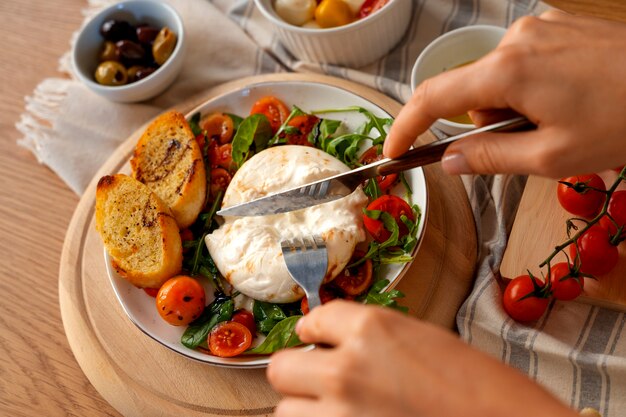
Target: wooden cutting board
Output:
[(540, 226), (139, 377)]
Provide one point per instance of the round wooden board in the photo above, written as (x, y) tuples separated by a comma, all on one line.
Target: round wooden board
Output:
[(139, 377)]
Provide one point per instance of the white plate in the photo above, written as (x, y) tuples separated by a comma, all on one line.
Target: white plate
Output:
[(309, 96)]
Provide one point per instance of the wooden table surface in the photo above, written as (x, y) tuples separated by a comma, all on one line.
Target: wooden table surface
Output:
[(38, 373)]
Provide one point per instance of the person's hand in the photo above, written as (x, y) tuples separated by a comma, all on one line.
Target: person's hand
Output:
[(565, 73), (385, 364)]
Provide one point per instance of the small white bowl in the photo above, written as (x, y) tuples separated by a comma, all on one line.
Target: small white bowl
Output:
[(354, 45), (451, 50), (89, 43)]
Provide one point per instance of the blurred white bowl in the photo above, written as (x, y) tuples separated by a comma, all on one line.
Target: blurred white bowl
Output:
[(89, 43), (451, 50), (354, 45)]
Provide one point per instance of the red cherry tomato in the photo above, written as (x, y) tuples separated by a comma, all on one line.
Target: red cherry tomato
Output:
[(218, 126), (305, 124), (274, 109), (393, 205), (326, 295), (356, 280), (220, 178), (373, 154), (583, 203), (201, 139), (247, 319), (221, 155), (229, 339), (519, 300), (597, 255), (152, 292), (370, 6), (617, 210), (180, 300), (565, 284)]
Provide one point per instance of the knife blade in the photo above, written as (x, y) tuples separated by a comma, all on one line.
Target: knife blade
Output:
[(341, 185)]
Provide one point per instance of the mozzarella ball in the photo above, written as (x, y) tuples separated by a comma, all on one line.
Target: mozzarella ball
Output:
[(247, 250), (295, 12)]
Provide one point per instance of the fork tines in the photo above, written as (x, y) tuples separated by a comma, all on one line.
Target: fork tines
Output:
[(303, 243)]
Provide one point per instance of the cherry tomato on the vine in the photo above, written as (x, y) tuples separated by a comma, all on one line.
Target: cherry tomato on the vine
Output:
[(617, 210), (180, 300), (521, 302), (275, 110), (373, 154), (564, 283), (355, 280), (597, 255), (393, 205), (247, 319), (578, 200), (229, 339)]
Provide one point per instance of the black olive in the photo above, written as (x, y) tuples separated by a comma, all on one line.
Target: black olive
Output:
[(116, 30), (147, 34), (130, 52)]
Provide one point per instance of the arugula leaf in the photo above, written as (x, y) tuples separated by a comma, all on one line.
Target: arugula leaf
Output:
[(282, 336), (276, 139), (254, 129), (194, 124), (218, 311), (377, 296), (372, 189), (373, 122)]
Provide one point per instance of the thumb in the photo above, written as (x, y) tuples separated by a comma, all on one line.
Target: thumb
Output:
[(494, 153)]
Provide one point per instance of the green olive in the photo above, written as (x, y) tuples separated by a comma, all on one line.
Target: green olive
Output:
[(163, 45), (111, 73), (109, 52)]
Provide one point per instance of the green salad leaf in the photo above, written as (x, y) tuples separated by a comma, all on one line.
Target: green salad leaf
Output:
[(194, 124), (282, 336), (253, 130), (198, 330), (377, 296)]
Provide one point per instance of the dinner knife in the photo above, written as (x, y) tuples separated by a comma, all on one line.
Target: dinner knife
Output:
[(341, 185)]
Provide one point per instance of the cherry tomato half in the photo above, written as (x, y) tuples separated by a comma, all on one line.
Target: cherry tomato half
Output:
[(305, 124), (565, 285), (247, 319), (220, 178), (355, 280), (218, 126), (221, 155), (229, 339), (587, 203), (373, 154), (597, 255), (617, 210), (326, 295), (274, 109), (393, 205), (370, 6), (519, 301), (180, 300)]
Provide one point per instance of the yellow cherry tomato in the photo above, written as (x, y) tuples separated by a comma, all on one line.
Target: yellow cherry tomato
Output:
[(333, 13)]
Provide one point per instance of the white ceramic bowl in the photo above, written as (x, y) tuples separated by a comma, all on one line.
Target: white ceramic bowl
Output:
[(354, 45), (450, 50), (140, 307), (89, 44)]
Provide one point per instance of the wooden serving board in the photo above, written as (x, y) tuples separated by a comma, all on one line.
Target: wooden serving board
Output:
[(540, 226), (139, 377)]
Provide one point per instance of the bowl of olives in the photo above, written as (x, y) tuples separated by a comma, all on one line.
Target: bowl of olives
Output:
[(130, 51)]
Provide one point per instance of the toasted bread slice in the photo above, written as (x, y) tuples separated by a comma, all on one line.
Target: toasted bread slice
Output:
[(168, 159), (138, 231)]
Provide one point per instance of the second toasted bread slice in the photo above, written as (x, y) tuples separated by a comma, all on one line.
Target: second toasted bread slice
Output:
[(168, 159), (138, 231)]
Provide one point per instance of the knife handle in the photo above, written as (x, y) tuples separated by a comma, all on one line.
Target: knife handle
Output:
[(432, 152)]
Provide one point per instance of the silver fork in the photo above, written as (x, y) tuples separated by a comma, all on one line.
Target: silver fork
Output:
[(307, 262)]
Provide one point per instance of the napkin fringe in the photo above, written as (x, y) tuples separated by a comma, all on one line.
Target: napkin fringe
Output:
[(42, 108)]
